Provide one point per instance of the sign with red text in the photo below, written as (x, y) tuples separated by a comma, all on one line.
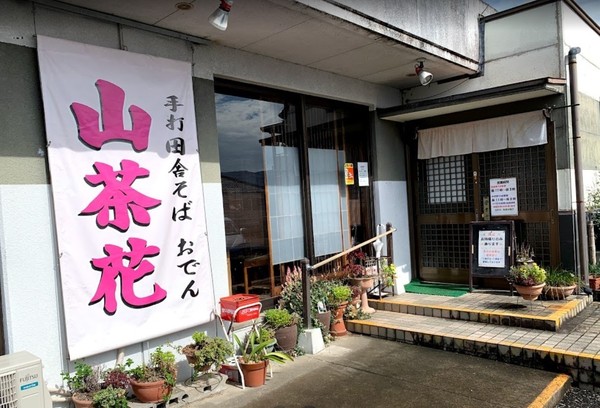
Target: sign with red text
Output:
[(492, 247), (129, 210), (503, 197)]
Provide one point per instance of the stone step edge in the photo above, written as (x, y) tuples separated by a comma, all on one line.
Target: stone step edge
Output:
[(584, 368), (552, 322)]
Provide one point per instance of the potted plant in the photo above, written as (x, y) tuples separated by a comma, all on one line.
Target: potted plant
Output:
[(83, 383), (560, 283), (528, 279), (116, 378), (153, 382), (339, 297), (594, 276), (388, 274), (285, 326), (206, 352), (321, 313), (254, 355), (291, 299), (110, 397)]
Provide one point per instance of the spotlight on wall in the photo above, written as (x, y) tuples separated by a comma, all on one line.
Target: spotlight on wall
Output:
[(425, 77), (220, 16)]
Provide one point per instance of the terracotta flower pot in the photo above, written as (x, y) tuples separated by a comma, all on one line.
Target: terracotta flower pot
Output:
[(559, 292), (81, 403), (594, 283), (155, 391), (338, 327), (255, 374), (530, 292)]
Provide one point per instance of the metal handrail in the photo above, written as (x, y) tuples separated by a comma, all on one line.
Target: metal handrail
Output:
[(306, 273), (347, 251)]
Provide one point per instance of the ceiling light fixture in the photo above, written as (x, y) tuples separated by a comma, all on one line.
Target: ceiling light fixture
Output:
[(184, 6), (220, 16), (425, 77)]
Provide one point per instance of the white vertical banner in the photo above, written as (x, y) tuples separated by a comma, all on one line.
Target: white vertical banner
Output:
[(127, 193)]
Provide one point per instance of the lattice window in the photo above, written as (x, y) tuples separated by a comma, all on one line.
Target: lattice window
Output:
[(528, 165), (445, 185), (537, 235), (445, 245)]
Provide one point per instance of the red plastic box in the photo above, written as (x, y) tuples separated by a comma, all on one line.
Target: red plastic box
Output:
[(230, 303)]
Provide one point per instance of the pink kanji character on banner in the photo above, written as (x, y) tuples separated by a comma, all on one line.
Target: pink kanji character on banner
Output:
[(112, 102), (114, 266), (118, 196)]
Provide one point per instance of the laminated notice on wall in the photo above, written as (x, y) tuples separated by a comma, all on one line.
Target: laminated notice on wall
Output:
[(503, 197), (349, 173), (363, 174)]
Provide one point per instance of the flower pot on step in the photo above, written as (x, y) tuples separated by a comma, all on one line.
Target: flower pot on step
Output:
[(338, 326), (530, 292), (559, 292)]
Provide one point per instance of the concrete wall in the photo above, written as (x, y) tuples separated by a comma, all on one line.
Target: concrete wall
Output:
[(518, 48), (580, 35), (32, 283), (390, 194)]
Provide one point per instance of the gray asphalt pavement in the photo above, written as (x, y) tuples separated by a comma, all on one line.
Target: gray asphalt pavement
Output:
[(361, 371)]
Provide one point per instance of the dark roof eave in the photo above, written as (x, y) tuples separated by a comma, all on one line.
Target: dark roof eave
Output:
[(505, 90)]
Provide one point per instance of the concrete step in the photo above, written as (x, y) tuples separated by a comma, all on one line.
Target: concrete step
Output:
[(505, 310)]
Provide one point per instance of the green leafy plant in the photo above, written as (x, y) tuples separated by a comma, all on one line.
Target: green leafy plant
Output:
[(206, 351), (291, 297), (594, 270), (388, 273), (354, 312), (339, 294), (528, 274), (592, 204), (110, 398), (561, 277), (256, 349), (160, 367), (85, 380), (279, 318)]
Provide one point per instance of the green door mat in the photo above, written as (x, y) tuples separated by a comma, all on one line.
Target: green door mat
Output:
[(440, 289)]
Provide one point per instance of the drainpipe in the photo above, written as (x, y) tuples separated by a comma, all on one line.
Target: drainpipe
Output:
[(581, 222)]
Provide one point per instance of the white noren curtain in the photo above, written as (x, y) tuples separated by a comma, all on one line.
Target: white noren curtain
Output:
[(521, 130)]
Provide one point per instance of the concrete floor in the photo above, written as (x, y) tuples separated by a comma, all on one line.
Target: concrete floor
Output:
[(362, 371)]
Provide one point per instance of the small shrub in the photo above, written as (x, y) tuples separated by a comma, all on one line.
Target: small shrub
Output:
[(528, 274), (340, 294), (110, 398), (85, 380), (560, 277), (279, 318)]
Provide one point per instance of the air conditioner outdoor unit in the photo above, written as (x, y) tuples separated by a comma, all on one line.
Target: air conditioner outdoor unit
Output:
[(21, 382)]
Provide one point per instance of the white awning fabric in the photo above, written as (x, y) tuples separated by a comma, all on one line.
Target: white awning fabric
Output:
[(521, 130)]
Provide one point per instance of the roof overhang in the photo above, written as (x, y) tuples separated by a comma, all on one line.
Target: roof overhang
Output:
[(474, 100)]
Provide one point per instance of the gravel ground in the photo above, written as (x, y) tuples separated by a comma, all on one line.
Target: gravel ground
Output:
[(578, 398)]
